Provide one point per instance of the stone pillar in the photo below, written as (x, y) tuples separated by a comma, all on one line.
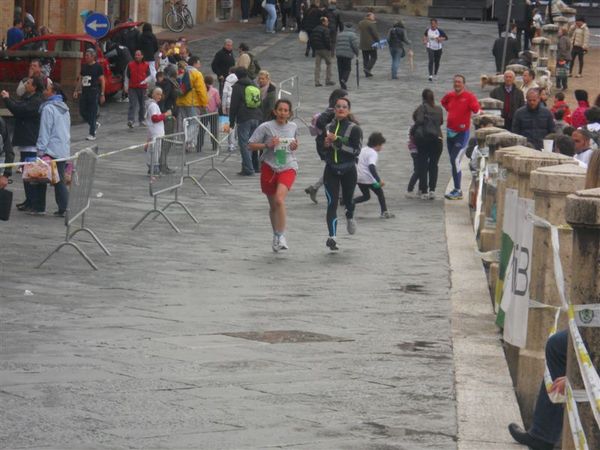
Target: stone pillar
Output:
[(491, 106), (561, 22), (583, 214), (494, 142), (569, 14), (550, 187), (497, 122), (550, 31), (541, 46)]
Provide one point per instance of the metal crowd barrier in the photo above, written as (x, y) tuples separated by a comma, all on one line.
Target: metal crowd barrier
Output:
[(169, 149), (195, 129), (290, 89), (82, 180)]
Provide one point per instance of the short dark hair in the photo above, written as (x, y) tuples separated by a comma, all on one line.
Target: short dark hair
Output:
[(580, 19), (17, 22), (461, 76), (243, 47), (193, 60), (559, 96), (592, 114), (323, 19), (530, 72), (568, 131), (335, 94), (559, 114), (241, 72), (581, 95), (565, 145), (38, 83), (209, 80), (375, 139)]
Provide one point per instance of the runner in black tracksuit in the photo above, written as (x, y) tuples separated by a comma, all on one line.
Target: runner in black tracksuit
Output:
[(342, 146)]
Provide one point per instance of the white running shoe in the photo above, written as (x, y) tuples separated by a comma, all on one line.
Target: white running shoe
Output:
[(91, 137), (275, 244), (283, 243), (351, 226), (411, 194), (431, 195)]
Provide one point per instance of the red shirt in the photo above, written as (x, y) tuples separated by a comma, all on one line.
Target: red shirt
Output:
[(137, 72), (561, 104), (459, 107), (578, 119)]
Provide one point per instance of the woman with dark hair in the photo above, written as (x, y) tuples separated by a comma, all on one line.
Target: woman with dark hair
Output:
[(278, 141), (317, 129), (26, 113), (342, 145), (149, 47), (578, 118), (427, 133)]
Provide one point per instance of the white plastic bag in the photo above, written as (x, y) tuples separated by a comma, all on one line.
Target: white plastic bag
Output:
[(303, 36)]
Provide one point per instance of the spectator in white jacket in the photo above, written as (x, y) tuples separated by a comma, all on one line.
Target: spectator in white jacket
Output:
[(226, 103), (156, 128)]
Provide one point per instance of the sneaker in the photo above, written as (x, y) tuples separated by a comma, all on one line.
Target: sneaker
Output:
[(578, 75), (36, 213), (130, 124), (275, 244), (23, 206), (312, 193), (329, 83), (98, 125), (244, 21), (58, 214), (91, 137), (431, 195), (282, 28), (387, 215), (455, 194), (351, 226), (430, 79), (331, 244), (424, 196), (411, 194), (283, 243)]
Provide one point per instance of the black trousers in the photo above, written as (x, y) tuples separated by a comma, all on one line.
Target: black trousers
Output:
[(369, 60), (333, 180), (577, 52), (434, 61), (344, 66), (366, 195), (428, 156)]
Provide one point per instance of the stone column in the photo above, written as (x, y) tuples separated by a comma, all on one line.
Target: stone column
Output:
[(494, 142), (497, 121), (550, 31), (583, 214), (491, 106), (569, 14), (562, 22), (541, 45), (550, 187), (518, 69)]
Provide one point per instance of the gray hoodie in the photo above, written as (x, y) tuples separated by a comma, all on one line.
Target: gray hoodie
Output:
[(55, 128)]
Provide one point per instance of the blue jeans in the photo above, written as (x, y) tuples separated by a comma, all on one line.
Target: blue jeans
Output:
[(137, 106), (457, 143), (396, 58), (548, 416), (244, 131), (272, 18), (245, 9)]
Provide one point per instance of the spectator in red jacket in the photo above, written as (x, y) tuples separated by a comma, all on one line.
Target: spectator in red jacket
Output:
[(138, 72), (578, 118), (560, 103)]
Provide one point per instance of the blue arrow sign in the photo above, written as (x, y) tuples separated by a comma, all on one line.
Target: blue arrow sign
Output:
[(97, 25)]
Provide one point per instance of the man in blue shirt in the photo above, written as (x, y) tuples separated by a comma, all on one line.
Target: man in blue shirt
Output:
[(15, 34)]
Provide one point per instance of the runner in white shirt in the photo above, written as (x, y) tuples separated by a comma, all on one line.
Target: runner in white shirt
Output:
[(433, 39), (368, 178)]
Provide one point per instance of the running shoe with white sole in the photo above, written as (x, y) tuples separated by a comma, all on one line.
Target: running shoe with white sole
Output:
[(275, 244), (91, 137), (351, 226), (387, 215), (431, 195), (331, 244), (283, 243), (455, 194)]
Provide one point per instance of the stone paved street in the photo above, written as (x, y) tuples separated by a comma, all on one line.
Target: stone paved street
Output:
[(207, 339)]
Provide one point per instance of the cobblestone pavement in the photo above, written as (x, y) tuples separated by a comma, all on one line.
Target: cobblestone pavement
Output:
[(208, 340)]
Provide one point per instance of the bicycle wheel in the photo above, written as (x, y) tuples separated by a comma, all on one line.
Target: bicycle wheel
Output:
[(187, 17), (174, 22)]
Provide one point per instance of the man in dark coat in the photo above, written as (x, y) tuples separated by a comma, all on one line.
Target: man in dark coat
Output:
[(533, 120), (512, 50), (222, 62), (512, 97), (335, 23), (321, 44)]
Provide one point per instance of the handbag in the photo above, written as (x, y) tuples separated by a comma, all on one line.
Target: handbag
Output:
[(6, 198), (303, 36)]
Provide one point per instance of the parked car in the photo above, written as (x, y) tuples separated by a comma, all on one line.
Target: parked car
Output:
[(14, 68)]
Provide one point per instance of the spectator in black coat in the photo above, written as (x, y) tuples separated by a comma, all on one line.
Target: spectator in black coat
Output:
[(222, 62), (312, 19), (512, 97), (149, 46), (335, 23), (533, 120), (320, 41), (7, 152), (512, 50)]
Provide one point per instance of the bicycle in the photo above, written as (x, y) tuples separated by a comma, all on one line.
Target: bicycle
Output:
[(178, 16)]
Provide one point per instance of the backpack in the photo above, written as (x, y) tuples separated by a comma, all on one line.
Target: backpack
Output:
[(313, 128), (185, 83), (252, 97), (253, 67)]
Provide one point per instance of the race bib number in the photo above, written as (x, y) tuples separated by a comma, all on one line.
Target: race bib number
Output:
[(86, 81)]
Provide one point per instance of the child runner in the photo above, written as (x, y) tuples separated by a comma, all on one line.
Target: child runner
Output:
[(156, 128), (368, 178), (278, 139), (341, 148)]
